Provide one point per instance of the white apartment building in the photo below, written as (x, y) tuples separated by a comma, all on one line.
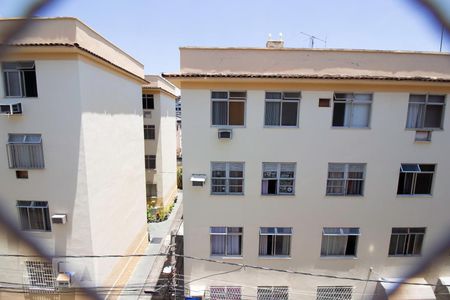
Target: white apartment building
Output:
[(158, 102), (72, 170), (322, 161)]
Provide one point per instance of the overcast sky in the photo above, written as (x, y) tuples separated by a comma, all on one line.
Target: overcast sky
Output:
[(151, 31)]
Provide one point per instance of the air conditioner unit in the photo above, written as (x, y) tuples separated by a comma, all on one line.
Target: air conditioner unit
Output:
[(198, 179), (225, 133), (59, 219), (11, 108), (147, 114), (64, 279)]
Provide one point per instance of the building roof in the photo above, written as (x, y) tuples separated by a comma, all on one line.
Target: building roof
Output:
[(71, 32), (156, 82), (314, 64)]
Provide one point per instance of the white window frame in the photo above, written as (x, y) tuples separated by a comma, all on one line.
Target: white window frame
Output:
[(229, 99), (332, 292), (282, 100), (29, 143), (227, 232), (350, 101), (276, 232), (148, 97), (425, 104), (414, 179), (407, 241), (39, 277), (23, 209), (345, 179), (20, 71), (272, 293), (278, 178), (227, 178), (339, 232)]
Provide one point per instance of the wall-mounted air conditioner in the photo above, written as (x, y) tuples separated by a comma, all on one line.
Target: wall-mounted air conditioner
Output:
[(10, 108), (147, 114), (59, 219), (198, 179), (64, 279), (224, 133)]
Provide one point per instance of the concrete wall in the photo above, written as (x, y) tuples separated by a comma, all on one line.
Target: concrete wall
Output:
[(383, 147)]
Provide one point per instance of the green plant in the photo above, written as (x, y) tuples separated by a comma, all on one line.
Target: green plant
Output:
[(180, 178), (151, 217)]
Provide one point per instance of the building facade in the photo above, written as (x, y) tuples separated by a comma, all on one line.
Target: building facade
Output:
[(72, 162), (316, 161), (160, 134)]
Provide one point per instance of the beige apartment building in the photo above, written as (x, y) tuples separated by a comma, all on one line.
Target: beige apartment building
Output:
[(72, 170), (324, 167), (160, 134)]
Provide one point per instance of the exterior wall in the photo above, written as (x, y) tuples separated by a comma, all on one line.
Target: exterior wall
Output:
[(164, 147), (313, 145), (90, 119)]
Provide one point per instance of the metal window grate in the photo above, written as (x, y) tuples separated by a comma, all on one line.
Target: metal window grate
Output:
[(25, 151), (334, 293), (273, 293), (224, 293), (39, 277)]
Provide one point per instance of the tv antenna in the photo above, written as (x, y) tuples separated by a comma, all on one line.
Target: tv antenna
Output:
[(312, 38)]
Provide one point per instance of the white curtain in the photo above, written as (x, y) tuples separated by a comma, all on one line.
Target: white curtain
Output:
[(416, 115), (265, 187), (218, 244), (272, 117), (263, 240), (334, 244), (220, 113), (360, 115), (233, 245), (13, 78)]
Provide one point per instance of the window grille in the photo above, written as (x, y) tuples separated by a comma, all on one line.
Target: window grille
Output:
[(39, 277), (334, 293), (25, 151)]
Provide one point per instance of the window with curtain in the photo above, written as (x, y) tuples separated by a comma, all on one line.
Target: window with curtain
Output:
[(272, 293), (20, 79), (334, 293), (150, 162), (282, 108), (345, 179), (25, 151), (352, 110), (275, 241), (225, 293), (415, 179), (226, 241), (339, 241), (228, 108), (227, 178), (425, 111), (278, 179), (406, 241), (149, 132), (34, 215)]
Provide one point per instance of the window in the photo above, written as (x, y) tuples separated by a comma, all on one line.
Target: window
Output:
[(339, 241), (415, 179), (21, 174), (228, 108), (149, 132), (20, 79), (406, 241), (351, 110), (227, 178), (282, 108), (226, 241), (148, 101), (151, 190), (334, 292), (150, 162), (278, 179), (225, 293), (40, 276), (34, 215), (25, 151), (425, 111), (275, 241), (345, 179), (272, 293)]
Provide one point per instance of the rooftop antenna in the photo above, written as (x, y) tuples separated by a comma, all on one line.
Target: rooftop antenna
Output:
[(312, 38)]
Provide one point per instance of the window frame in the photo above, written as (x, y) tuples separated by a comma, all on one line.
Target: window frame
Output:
[(414, 179), (346, 179), (274, 235), (153, 100), (227, 178), (407, 241), (225, 235), (348, 101), (25, 143), (228, 100), (150, 157), (278, 178), (40, 276), (340, 234), (272, 295), (148, 135), (20, 71), (281, 101), (32, 204), (425, 104)]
